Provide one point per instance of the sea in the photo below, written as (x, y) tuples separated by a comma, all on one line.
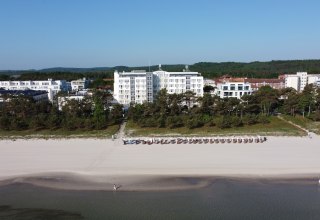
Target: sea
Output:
[(222, 199)]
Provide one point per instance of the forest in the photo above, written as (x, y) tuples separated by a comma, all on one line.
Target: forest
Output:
[(271, 69)]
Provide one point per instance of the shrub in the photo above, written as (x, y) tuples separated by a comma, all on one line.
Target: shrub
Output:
[(316, 116), (4, 123), (194, 122), (263, 119), (206, 118), (174, 122), (236, 121), (224, 122), (250, 119), (18, 124), (212, 123), (148, 122), (161, 122)]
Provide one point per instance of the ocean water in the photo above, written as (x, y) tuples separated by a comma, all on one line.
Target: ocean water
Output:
[(223, 199)]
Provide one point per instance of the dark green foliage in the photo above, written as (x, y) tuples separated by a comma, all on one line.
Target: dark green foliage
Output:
[(116, 114), (236, 121), (174, 122), (256, 69), (263, 119), (209, 69), (194, 122), (4, 77), (99, 114), (4, 123), (21, 113), (212, 123), (316, 116), (208, 89), (224, 122), (149, 122), (250, 119)]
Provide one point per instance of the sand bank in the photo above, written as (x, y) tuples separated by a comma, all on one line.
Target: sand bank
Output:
[(105, 162)]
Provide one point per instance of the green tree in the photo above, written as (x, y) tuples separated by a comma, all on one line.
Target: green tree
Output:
[(99, 116)]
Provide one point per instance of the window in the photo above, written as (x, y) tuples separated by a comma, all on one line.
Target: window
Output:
[(225, 87)]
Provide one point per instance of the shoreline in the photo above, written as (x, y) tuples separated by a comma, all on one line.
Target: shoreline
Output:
[(147, 183)]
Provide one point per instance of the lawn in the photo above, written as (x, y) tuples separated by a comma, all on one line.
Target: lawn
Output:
[(60, 133), (304, 122), (276, 127)]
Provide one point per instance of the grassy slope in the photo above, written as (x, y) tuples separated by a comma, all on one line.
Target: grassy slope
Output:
[(60, 133), (304, 122), (275, 127)]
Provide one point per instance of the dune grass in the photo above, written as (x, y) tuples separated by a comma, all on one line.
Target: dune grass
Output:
[(304, 122), (276, 127), (60, 133)]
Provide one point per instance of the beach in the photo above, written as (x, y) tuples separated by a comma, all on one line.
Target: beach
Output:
[(100, 163)]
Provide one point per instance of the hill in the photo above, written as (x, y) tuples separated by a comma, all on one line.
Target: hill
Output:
[(256, 69)]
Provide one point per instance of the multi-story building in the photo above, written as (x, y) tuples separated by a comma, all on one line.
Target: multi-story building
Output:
[(233, 89), (51, 86), (79, 84), (273, 83), (300, 80), (141, 86)]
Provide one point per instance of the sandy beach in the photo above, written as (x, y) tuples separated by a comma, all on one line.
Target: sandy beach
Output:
[(98, 164)]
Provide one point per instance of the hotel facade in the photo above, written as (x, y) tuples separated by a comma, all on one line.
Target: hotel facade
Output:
[(300, 80), (229, 87), (51, 86), (139, 86)]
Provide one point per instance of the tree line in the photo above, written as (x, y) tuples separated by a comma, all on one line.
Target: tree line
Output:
[(187, 110), (91, 113), (271, 69), (167, 111)]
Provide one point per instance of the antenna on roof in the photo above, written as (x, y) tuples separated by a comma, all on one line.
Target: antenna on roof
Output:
[(160, 67), (187, 68)]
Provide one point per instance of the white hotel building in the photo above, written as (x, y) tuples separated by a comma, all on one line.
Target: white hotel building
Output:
[(141, 86), (51, 86), (300, 80), (233, 89)]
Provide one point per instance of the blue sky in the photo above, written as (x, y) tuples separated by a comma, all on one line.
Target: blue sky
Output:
[(38, 34)]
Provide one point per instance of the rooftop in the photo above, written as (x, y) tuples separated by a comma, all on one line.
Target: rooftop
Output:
[(22, 92)]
